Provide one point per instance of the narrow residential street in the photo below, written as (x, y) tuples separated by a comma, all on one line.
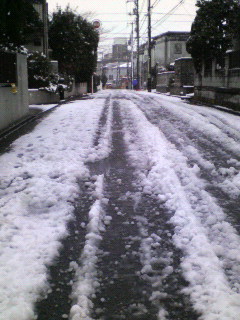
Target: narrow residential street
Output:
[(123, 206)]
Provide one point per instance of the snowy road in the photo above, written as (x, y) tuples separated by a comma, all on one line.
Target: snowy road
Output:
[(124, 206)]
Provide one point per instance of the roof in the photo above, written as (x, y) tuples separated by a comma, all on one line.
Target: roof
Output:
[(172, 33)]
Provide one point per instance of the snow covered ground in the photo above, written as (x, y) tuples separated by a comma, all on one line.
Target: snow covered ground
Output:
[(185, 158), (209, 242), (43, 107), (38, 186)]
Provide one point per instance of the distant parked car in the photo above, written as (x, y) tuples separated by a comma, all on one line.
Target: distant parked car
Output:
[(108, 86)]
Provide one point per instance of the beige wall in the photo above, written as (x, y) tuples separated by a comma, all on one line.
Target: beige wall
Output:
[(14, 106), (165, 51)]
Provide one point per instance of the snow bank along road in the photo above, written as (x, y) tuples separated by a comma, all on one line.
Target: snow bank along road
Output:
[(124, 206)]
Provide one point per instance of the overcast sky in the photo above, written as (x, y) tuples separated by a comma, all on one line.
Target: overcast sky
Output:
[(116, 21)]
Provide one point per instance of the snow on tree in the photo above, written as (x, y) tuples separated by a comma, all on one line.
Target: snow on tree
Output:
[(18, 21), (216, 24), (74, 42)]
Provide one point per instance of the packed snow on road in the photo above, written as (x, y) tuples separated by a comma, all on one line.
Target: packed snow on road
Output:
[(122, 206)]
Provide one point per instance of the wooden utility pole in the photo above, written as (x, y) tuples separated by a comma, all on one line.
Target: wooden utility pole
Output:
[(149, 80), (132, 63), (136, 13), (137, 32)]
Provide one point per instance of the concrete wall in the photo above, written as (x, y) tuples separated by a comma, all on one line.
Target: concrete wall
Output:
[(44, 97), (220, 87), (219, 96), (78, 89), (163, 81), (14, 106), (184, 77)]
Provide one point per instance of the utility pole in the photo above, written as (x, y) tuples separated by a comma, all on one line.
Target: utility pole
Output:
[(132, 66), (149, 80), (136, 13), (137, 26)]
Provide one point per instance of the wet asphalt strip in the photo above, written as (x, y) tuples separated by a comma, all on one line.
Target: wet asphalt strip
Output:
[(125, 292), (121, 293)]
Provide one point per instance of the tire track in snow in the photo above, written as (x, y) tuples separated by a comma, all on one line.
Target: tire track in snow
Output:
[(102, 121), (58, 300), (159, 257), (128, 290), (44, 165), (121, 293), (204, 129), (202, 264), (161, 261), (102, 141), (218, 169), (86, 278)]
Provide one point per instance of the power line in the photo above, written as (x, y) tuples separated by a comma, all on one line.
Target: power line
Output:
[(155, 3), (164, 18), (144, 19), (174, 14)]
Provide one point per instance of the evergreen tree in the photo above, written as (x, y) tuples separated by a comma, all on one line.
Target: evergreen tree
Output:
[(74, 44), (18, 20), (216, 24), (39, 69)]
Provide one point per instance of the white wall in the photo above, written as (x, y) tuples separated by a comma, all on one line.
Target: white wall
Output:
[(44, 97)]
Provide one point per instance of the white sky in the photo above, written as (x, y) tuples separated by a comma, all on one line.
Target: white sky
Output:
[(115, 18)]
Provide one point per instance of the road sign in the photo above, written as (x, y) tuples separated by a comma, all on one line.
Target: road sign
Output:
[(96, 24)]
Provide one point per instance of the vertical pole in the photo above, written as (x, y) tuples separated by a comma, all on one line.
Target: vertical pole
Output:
[(132, 66), (149, 82), (137, 31)]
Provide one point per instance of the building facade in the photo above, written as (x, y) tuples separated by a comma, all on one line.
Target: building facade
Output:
[(168, 47), (39, 40), (116, 65), (118, 74), (120, 49)]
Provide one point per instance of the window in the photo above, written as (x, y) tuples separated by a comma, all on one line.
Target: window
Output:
[(177, 48)]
